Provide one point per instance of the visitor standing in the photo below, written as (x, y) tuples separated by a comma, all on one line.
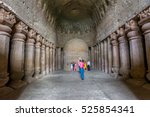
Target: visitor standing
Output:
[(81, 64), (89, 65), (85, 65), (71, 66), (75, 67)]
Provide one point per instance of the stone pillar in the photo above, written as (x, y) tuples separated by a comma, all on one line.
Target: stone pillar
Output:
[(106, 55), (7, 20), (136, 52), (59, 58), (109, 55), (51, 57), (89, 53), (100, 57), (115, 47), (17, 56), (29, 56), (54, 55), (124, 54), (92, 54), (95, 57), (38, 56), (56, 59), (43, 58), (102, 54), (145, 23), (62, 58), (47, 57)]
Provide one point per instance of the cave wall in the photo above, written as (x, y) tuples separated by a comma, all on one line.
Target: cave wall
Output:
[(63, 38), (118, 14), (31, 13), (73, 50)]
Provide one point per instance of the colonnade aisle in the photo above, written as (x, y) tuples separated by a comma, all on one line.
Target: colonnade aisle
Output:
[(69, 86)]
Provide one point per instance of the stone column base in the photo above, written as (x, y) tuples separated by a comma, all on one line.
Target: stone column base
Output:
[(124, 77), (137, 82), (146, 86), (148, 76), (17, 84), (37, 76), (5, 92), (3, 81), (29, 79), (115, 75), (40, 76)]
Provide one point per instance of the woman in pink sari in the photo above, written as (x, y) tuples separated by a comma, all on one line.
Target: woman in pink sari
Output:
[(81, 65)]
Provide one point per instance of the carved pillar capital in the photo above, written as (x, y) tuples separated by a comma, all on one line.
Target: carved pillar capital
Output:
[(6, 18), (144, 16), (21, 27), (132, 25), (114, 40), (31, 33), (47, 43), (38, 38), (122, 35), (54, 47), (38, 41), (133, 30), (121, 32), (113, 36), (43, 42), (21, 30), (50, 44), (145, 20), (31, 36)]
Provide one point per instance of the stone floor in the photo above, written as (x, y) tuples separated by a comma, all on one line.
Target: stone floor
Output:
[(69, 86)]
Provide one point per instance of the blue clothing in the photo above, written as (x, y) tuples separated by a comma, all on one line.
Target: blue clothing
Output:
[(82, 73), (79, 70)]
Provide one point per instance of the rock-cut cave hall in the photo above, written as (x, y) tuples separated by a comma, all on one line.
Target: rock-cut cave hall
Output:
[(41, 40)]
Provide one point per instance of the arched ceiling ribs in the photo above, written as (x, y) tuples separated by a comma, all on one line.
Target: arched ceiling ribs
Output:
[(75, 15)]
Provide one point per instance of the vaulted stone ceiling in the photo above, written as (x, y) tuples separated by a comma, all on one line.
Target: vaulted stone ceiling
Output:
[(75, 15)]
